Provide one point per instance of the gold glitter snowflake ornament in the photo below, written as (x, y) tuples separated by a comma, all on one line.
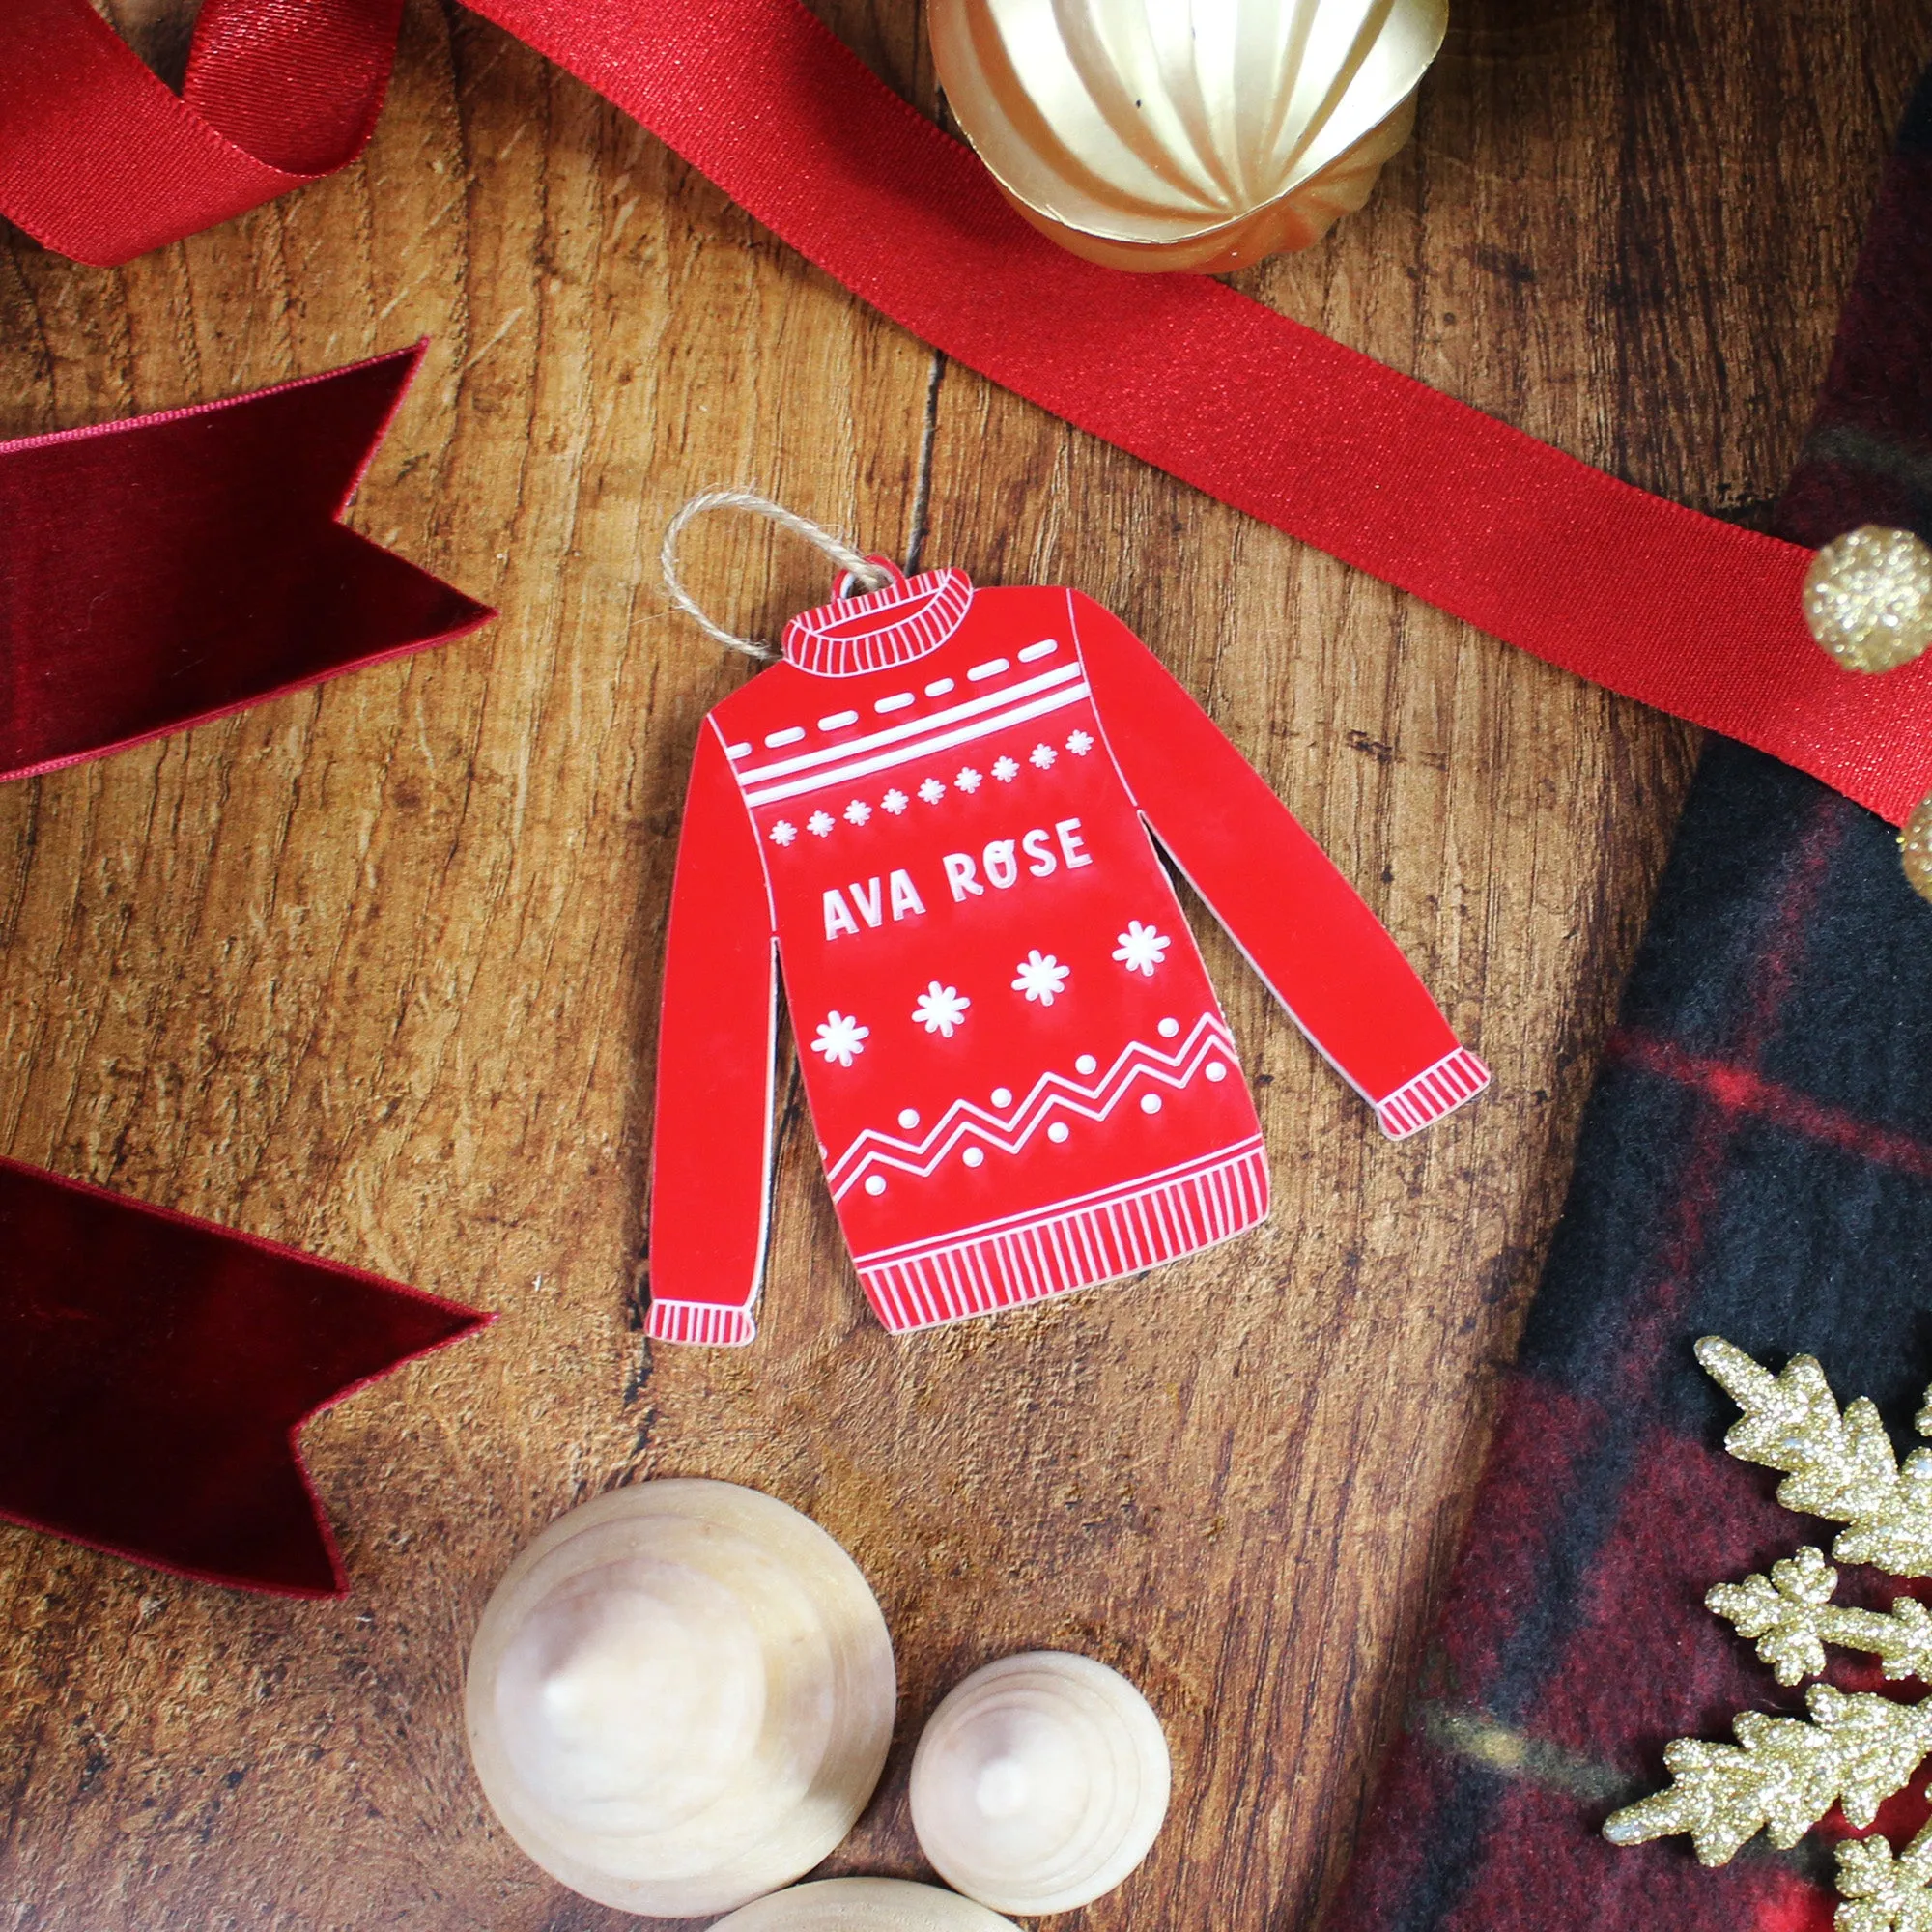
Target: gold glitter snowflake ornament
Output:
[(1868, 598), (1855, 1749)]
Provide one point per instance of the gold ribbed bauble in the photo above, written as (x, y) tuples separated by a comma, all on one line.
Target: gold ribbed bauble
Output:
[(1868, 598), (1203, 134), (1914, 847)]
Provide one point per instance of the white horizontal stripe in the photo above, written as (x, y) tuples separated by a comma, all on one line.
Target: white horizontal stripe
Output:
[(897, 702), (791, 735), (965, 1237), (1072, 1251), (896, 733), (743, 750), (939, 687), (979, 727), (839, 720), (992, 667), (1045, 648)]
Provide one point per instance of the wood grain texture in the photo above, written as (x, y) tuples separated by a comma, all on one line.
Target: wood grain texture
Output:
[(372, 969)]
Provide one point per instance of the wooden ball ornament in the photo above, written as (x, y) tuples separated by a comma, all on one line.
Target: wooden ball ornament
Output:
[(864, 1905), (1197, 134), (1040, 1783), (680, 1698)]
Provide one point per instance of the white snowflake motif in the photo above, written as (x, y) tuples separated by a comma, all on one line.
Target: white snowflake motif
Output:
[(858, 812), (896, 802), (783, 831), (1004, 770), (1041, 755), (1141, 948), (819, 824), (1080, 743), (932, 791), (941, 1008), (839, 1037), (967, 780), (1040, 976)]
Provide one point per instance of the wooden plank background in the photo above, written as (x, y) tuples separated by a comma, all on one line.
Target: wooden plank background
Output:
[(372, 969)]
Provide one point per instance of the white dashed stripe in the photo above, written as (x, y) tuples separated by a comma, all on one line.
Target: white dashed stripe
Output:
[(921, 748), (896, 735)]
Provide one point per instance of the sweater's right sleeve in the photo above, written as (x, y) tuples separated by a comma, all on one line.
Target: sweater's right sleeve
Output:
[(1322, 953), (711, 1147)]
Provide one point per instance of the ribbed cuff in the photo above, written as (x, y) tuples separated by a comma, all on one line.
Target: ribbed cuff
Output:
[(1437, 1091), (704, 1322)]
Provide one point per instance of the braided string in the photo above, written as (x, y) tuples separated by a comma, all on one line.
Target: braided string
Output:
[(868, 576)]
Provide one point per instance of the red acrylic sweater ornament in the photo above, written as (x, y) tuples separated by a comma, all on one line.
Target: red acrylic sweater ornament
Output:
[(936, 814)]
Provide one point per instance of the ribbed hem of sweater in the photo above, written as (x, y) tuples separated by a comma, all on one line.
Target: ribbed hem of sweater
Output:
[(1456, 1078), (702, 1321), (1081, 1245)]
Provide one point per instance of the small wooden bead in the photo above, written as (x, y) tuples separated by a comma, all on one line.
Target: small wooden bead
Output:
[(680, 1698), (1040, 1783), (1868, 598), (864, 1905)]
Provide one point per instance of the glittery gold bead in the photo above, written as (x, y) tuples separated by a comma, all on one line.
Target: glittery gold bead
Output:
[(1915, 844), (1868, 598)]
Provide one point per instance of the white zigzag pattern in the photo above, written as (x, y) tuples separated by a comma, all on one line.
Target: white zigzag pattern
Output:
[(1052, 1094)]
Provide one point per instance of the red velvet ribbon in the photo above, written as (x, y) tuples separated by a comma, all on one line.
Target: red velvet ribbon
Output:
[(154, 1369), (169, 568), (1653, 600)]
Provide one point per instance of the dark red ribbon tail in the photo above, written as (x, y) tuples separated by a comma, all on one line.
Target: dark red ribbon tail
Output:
[(171, 568), (153, 1371)]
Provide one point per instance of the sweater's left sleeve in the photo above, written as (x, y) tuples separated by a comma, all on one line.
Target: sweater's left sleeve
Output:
[(711, 1150), (1322, 953)]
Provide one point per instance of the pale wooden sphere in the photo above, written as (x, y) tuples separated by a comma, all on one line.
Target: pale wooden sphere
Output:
[(864, 1905), (680, 1698), (1197, 134), (1868, 598), (1040, 1783)]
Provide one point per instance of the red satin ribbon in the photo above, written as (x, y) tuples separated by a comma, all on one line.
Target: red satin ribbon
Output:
[(1653, 600), (101, 161)]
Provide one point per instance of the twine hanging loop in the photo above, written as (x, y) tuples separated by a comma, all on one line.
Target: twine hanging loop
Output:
[(859, 570)]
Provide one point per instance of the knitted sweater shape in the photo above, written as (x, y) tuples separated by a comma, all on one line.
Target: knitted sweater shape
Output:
[(935, 815)]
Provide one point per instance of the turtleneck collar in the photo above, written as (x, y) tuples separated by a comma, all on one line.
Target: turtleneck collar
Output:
[(909, 617)]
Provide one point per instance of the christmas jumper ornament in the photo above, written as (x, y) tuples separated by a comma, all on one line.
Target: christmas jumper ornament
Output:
[(863, 1905), (1858, 1749), (680, 1698), (1039, 1782), (1198, 134), (935, 815), (1868, 598)]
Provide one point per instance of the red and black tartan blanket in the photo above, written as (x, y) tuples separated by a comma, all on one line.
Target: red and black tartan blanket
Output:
[(1756, 1163)]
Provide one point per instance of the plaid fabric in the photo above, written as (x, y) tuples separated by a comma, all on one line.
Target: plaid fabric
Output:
[(1756, 1163)]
